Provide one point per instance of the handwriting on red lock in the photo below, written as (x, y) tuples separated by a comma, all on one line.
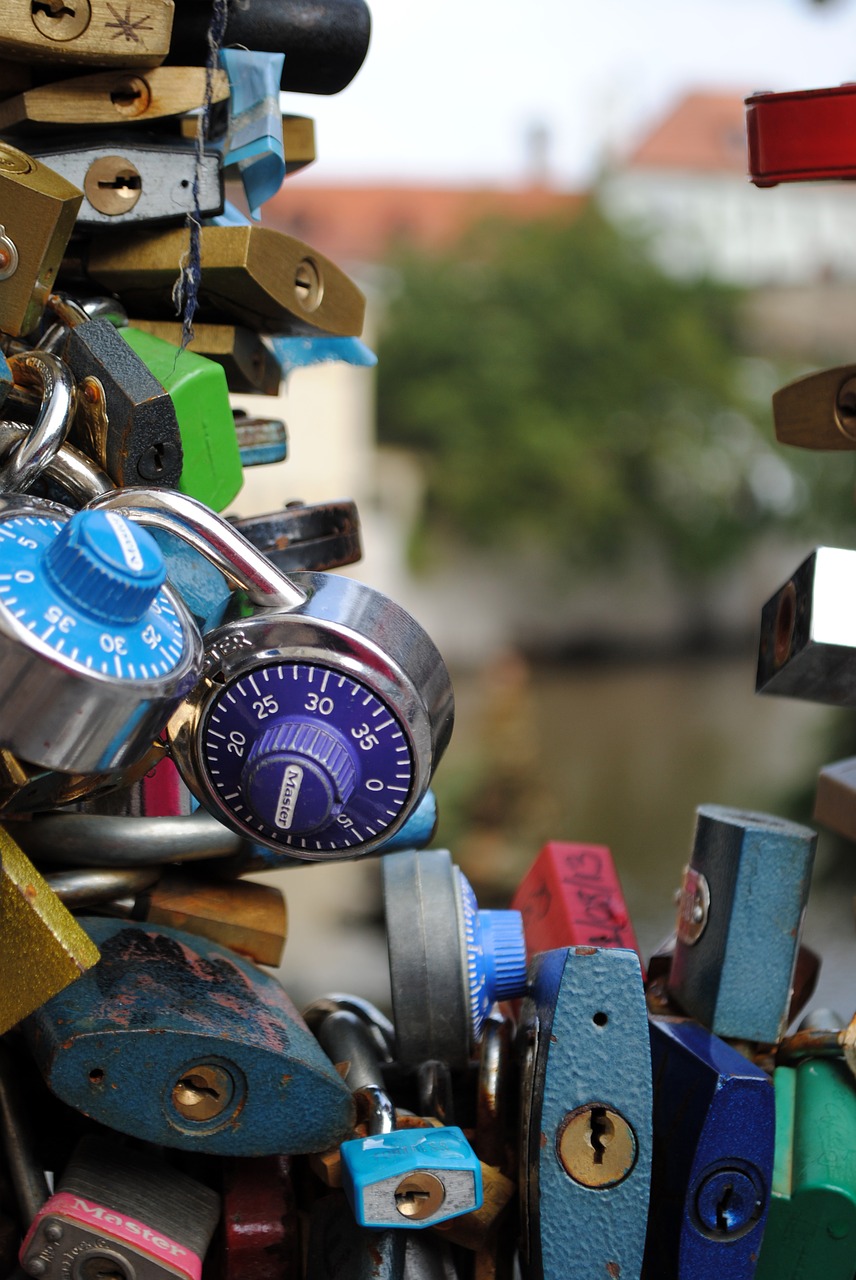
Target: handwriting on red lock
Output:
[(571, 897)]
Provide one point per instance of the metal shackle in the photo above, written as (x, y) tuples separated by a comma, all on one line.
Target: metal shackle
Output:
[(40, 443)]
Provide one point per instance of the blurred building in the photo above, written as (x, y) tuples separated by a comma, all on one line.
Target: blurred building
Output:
[(686, 186)]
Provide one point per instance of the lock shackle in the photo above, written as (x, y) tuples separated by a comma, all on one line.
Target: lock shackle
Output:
[(122, 841), (43, 441), (74, 471), (242, 564), (94, 886), (381, 1029), (346, 1038)]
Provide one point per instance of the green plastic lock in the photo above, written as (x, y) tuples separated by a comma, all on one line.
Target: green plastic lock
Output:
[(811, 1228), (212, 470)]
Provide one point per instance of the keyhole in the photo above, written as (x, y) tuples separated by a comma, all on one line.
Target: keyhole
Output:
[(409, 1201), (53, 8), (845, 408), (127, 93), (723, 1204), (192, 1090), (602, 1132), (97, 1267), (124, 183), (203, 1093)]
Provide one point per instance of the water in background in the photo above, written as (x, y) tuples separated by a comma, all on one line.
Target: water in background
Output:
[(608, 754)]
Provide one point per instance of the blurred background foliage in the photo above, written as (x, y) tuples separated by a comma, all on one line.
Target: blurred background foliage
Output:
[(564, 394)]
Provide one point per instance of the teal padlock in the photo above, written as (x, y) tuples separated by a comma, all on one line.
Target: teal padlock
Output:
[(212, 470)]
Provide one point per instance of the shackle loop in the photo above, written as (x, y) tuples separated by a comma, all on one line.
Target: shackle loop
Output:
[(207, 533), (40, 443)]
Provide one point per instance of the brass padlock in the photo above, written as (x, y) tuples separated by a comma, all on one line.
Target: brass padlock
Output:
[(93, 32), (38, 209), (818, 411), (42, 947), (112, 97), (251, 275), (251, 367)]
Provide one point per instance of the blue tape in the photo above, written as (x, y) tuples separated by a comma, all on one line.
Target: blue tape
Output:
[(299, 353), (254, 141)]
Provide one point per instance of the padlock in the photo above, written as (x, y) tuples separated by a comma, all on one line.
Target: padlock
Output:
[(250, 366), (94, 32), (714, 1125), (251, 276), (111, 97), (125, 419), (411, 1178), (134, 177), (808, 632), (261, 441), (123, 1213), (801, 136), (571, 896), (448, 961), (42, 946), (306, 537), (246, 917), (744, 895), (39, 209), (818, 411), (586, 1107), (94, 651), (183, 1043), (326, 41), (211, 469), (811, 1227), (306, 733), (260, 1239)]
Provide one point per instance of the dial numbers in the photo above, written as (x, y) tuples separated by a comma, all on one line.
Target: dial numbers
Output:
[(149, 651), (324, 705)]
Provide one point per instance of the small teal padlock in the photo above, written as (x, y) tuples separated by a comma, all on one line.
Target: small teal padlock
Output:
[(411, 1178)]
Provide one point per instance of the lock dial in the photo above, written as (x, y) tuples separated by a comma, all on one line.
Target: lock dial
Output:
[(315, 730)]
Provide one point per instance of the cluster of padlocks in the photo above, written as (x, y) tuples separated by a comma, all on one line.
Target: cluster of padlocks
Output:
[(186, 699)]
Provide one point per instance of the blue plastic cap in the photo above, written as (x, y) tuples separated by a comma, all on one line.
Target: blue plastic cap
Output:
[(105, 566), (496, 955), (298, 776)]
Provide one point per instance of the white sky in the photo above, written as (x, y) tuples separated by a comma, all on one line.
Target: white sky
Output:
[(450, 87)]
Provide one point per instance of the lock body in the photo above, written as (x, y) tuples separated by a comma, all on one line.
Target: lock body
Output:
[(744, 895), (111, 98), (191, 1047), (91, 32), (811, 1229), (111, 651), (250, 366), (270, 739), (39, 210), (121, 1212), (714, 1125), (42, 946), (411, 1178), (586, 1108)]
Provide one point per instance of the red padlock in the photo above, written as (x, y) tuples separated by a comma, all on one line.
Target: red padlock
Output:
[(802, 136), (571, 897)]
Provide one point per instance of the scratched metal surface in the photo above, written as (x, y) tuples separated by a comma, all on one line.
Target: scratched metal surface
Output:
[(575, 1232)]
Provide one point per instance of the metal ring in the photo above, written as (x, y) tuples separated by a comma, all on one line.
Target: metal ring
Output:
[(44, 440), (74, 471), (106, 840), (91, 886)]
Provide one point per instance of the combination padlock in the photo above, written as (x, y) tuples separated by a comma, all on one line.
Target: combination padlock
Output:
[(449, 962), (95, 651), (323, 706)]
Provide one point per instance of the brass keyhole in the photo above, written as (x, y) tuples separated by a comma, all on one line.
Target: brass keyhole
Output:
[(596, 1146), (112, 185), (602, 1133), (419, 1195), (131, 97), (308, 285), (60, 19), (202, 1093)]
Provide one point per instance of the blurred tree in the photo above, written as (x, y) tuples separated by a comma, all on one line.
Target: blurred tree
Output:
[(565, 394)]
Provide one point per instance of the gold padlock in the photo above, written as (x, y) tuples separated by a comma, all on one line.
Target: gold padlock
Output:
[(134, 33), (42, 947), (38, 209), (818, 411), (250, 275), (112, 97)]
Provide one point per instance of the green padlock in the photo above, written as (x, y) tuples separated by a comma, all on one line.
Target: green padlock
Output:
[(811, 1228), (212, 470)]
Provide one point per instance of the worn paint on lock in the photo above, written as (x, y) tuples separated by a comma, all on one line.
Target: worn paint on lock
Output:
[(163, 1008)]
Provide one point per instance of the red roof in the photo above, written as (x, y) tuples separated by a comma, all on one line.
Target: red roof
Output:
[(363, 223), (704, 133)]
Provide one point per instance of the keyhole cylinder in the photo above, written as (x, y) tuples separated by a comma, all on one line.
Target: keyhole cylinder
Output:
[(596, 1146)]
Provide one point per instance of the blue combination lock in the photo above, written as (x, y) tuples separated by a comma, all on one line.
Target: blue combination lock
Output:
[(95, 651)]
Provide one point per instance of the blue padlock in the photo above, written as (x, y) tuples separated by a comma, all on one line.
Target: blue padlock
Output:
[(411, 1178), (714, 1127), (184, 1043), (585, 1115), (739, 921)]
